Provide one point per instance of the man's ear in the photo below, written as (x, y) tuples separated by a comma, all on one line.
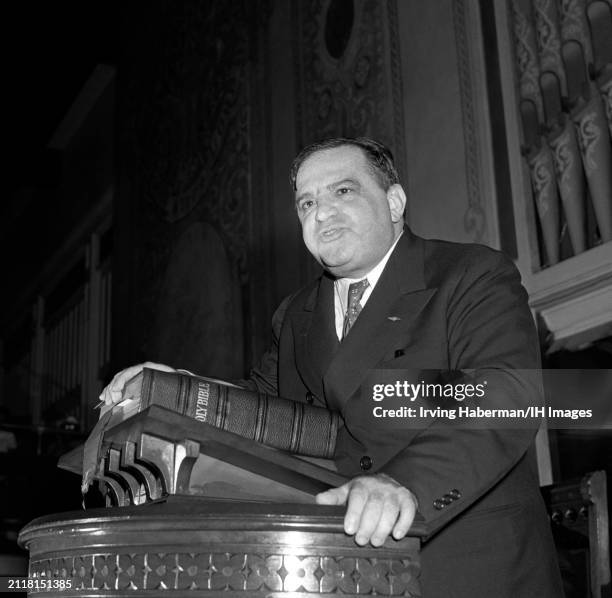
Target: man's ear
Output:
[(397, 202)]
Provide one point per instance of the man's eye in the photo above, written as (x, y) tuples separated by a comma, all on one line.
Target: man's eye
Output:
[(343, 190), (306, 205)]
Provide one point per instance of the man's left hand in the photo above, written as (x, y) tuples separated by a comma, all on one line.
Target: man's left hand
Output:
[(377, 506)]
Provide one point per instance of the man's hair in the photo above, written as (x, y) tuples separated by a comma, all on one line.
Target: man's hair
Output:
[(378, 156)]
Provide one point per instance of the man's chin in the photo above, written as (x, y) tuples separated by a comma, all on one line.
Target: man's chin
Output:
[(339, 270), (338, 262)]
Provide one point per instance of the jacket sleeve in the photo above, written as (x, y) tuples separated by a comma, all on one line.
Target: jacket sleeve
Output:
[(263, 377), (490, 330)]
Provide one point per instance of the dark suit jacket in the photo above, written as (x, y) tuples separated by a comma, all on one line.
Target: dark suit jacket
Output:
[(446, 306)]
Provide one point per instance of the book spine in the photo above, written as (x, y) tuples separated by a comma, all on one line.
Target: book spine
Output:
[(221, 412), (184, 388), (296, 429), (274, 421), (203, 401), (262, 417)]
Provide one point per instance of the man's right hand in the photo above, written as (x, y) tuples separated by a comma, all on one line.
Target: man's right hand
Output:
[(114, 391)]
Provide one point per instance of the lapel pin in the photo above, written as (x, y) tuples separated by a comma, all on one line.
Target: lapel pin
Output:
[(394, 318)]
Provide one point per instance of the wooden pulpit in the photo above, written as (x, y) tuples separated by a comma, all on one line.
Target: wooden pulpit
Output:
[(197, 511)]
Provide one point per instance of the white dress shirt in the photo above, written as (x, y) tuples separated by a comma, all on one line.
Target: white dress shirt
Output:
[(341, 286)]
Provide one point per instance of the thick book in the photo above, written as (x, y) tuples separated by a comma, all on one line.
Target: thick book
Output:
[(292, 426), (228, 466)]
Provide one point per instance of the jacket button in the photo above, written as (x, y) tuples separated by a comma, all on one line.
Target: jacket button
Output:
[(365, 463), (309, 398), (454, 494), (438, 504)]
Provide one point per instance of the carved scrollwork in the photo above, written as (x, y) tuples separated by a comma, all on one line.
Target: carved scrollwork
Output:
[(589, 134), (542, 176), (526, 57), (219, 573), (349, 93), (474, 219), (564, 157), (549, 40)]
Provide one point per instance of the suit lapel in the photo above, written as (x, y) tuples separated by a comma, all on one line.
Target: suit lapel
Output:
[(315, 336), (397, 300)]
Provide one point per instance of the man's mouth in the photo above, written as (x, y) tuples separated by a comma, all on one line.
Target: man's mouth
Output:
[(331, 234)]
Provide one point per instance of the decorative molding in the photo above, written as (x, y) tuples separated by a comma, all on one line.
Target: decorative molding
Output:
[(222, 573), (475, 217), (567, 280), (579, 321), (396, 92), (218, 548), (573, 298)]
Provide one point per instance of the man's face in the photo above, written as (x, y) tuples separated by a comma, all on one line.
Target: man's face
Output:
[(349, 221)]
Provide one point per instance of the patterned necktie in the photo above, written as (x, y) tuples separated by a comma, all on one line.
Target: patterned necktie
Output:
[(355, 293)]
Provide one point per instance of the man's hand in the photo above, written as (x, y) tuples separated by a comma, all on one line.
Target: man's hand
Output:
[(377, 506), (113, 392)]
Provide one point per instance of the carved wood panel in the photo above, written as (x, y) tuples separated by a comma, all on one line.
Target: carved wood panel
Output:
[(184, 153), (347, 72), (227, 573)]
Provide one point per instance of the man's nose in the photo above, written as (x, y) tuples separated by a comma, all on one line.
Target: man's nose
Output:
[(326, 207)]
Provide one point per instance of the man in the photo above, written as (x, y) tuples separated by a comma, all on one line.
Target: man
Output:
[(390, 300)]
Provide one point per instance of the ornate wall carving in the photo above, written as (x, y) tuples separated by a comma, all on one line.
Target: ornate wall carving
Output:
[(562, 68), (350, 87), (347, 76), (186, 116), (184, 139)]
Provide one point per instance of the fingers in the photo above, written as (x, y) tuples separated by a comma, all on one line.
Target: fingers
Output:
[(388, 517), (366, 514), (377, 507), (406, 516), (114, 391), (335, 496), (357, 501)]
